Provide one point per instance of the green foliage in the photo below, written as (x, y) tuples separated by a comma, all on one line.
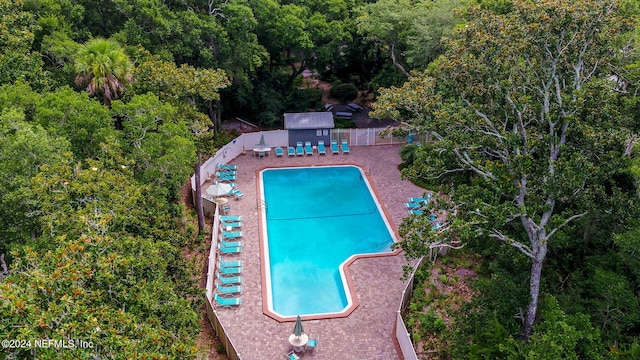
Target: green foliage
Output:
[(302, 100), (612, 303), (488, 341), (408, 153), (387, 77), (494, 118), (344, 92), (163, 149), (410, 32), (24, 149), (99, 289), (83, 121), (559, 336), (342, 123), (18, 61), (104, 68), (430, 323)]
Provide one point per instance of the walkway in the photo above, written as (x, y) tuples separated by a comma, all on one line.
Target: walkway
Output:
[(365, 334)]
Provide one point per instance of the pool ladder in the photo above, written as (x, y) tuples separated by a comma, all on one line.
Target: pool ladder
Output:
[(262, 205)]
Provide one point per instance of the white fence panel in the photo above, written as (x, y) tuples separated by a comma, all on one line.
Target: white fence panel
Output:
[(402, 335), (236, 147)]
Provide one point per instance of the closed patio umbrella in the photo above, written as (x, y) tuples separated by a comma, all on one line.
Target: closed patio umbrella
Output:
[(298, 339), (261, 143), (297, 328)]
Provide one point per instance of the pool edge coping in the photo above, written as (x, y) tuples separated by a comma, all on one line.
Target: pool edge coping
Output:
[(344, 266)]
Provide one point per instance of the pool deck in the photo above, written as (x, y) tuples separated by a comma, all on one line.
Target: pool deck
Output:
[(367, 333)]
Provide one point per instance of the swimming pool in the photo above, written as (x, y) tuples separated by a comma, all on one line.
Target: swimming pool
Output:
[(317, 218)]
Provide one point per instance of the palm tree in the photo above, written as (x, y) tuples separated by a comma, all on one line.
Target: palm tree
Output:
[(104, 68)]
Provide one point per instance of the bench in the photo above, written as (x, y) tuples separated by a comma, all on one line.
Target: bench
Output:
[(328, 107), (344, 114), (355, 107)]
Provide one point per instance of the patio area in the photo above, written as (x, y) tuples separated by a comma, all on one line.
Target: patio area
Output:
[(367, 333)]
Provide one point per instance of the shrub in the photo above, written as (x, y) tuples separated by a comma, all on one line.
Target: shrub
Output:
[(344, 92), (304, 99), (342, 123)]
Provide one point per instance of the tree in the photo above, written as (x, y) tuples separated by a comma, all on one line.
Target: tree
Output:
[(162, 146), (18, 61), (389, 21), (24, 149), (104, 68), (82, 120), (409, 31), (186, 86), (517, 146)]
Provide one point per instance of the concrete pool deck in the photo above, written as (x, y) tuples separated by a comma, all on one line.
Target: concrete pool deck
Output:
[(367, 333)]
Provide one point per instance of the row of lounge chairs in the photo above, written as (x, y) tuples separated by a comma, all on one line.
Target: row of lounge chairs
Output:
[(415, 203), (228, 272), (307, 148), (414, 206), (228, 174)]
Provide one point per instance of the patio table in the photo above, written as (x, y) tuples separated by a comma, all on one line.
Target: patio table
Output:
[(298, 342)]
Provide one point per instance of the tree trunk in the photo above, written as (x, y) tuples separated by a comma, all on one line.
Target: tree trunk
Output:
[(199, 208), (395, 61), (534, 291), (295, 71), (215, 117)]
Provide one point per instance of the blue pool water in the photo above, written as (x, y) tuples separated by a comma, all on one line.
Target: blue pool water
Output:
[(316, 218)]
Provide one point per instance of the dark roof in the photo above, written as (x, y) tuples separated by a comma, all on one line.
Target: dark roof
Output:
[(309, 120)]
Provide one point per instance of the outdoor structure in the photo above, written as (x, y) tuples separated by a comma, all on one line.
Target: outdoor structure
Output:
[(309, 126)]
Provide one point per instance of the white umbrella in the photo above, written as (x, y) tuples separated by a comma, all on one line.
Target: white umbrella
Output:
[(219, 189)]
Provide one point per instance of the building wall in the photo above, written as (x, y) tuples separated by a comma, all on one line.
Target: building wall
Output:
[(303, 135)]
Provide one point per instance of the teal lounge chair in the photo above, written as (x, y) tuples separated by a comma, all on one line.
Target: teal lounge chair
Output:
[(227, 167), (230, 244), (226, 173), (230, 217), (231, 234), (230, 263), (321, 149), (334, 147), (279, 151), (420, 199), (229, 250), (227, 302), (230, 270), (216, 182), (299, 148), (345, 147), (415, 212), (228, 290), (308, 149), (292, 355), (413, 205), (228, 280), (235, 192), (291, 151), (228, 178), (229, 224)]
